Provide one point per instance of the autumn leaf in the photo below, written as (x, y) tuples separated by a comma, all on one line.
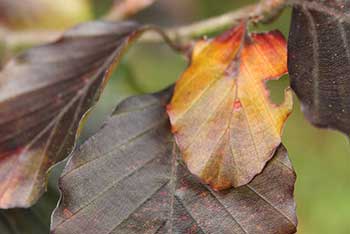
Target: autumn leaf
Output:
[(44, 93), (24, 14), (221, 114), (319, 61), (128, 179)]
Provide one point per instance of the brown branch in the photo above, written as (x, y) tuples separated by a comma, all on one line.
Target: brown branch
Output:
[(197, 29), (255, 12), (264, 10)]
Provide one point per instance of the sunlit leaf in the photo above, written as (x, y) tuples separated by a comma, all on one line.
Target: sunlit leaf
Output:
[(44, 93), (221, 114), (319, 61), (24, 14), (128, 179)]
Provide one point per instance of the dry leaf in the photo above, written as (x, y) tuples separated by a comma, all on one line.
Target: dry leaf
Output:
[(221, 114)]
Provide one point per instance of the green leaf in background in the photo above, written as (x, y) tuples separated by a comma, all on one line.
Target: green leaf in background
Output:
[(128, 179)]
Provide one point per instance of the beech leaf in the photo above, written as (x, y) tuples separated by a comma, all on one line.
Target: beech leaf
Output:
[(319, 61), (221, 114), (128, 179), (44, 93)]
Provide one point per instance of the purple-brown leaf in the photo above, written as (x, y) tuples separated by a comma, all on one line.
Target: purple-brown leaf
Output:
[(128, 179), (319, 61), (44, 93)]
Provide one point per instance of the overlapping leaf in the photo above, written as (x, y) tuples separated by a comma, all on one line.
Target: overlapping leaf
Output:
[(127, 179), (223, 120), (43, 95), (319, 61)]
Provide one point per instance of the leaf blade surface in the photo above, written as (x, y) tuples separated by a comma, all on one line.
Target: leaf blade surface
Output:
[(318, 62), (44, 93), (223, 120), (128, 179)]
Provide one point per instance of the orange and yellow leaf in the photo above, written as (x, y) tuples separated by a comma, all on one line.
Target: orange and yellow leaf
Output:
[(223, 120)]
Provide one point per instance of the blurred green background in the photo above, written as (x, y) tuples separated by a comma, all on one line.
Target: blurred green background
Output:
[(320, 157)]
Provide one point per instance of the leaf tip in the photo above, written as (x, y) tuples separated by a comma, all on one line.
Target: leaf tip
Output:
[(232, 35), (274, 35)]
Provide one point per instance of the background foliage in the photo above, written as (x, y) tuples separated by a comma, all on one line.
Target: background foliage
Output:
[(320, 157)]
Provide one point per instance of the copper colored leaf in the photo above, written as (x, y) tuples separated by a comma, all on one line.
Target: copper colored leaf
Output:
[(44, 93), (127, 179), (221, 114), (319, 61)]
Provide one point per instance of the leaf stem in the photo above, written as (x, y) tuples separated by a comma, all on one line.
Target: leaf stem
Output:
[(204, 27)]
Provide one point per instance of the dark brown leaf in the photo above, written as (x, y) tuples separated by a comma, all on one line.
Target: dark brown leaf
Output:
[(44, 93), (128, 179), (319, 61)]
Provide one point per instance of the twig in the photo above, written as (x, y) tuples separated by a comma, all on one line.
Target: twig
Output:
[(204, 27), (255, 12), (264, 10)]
